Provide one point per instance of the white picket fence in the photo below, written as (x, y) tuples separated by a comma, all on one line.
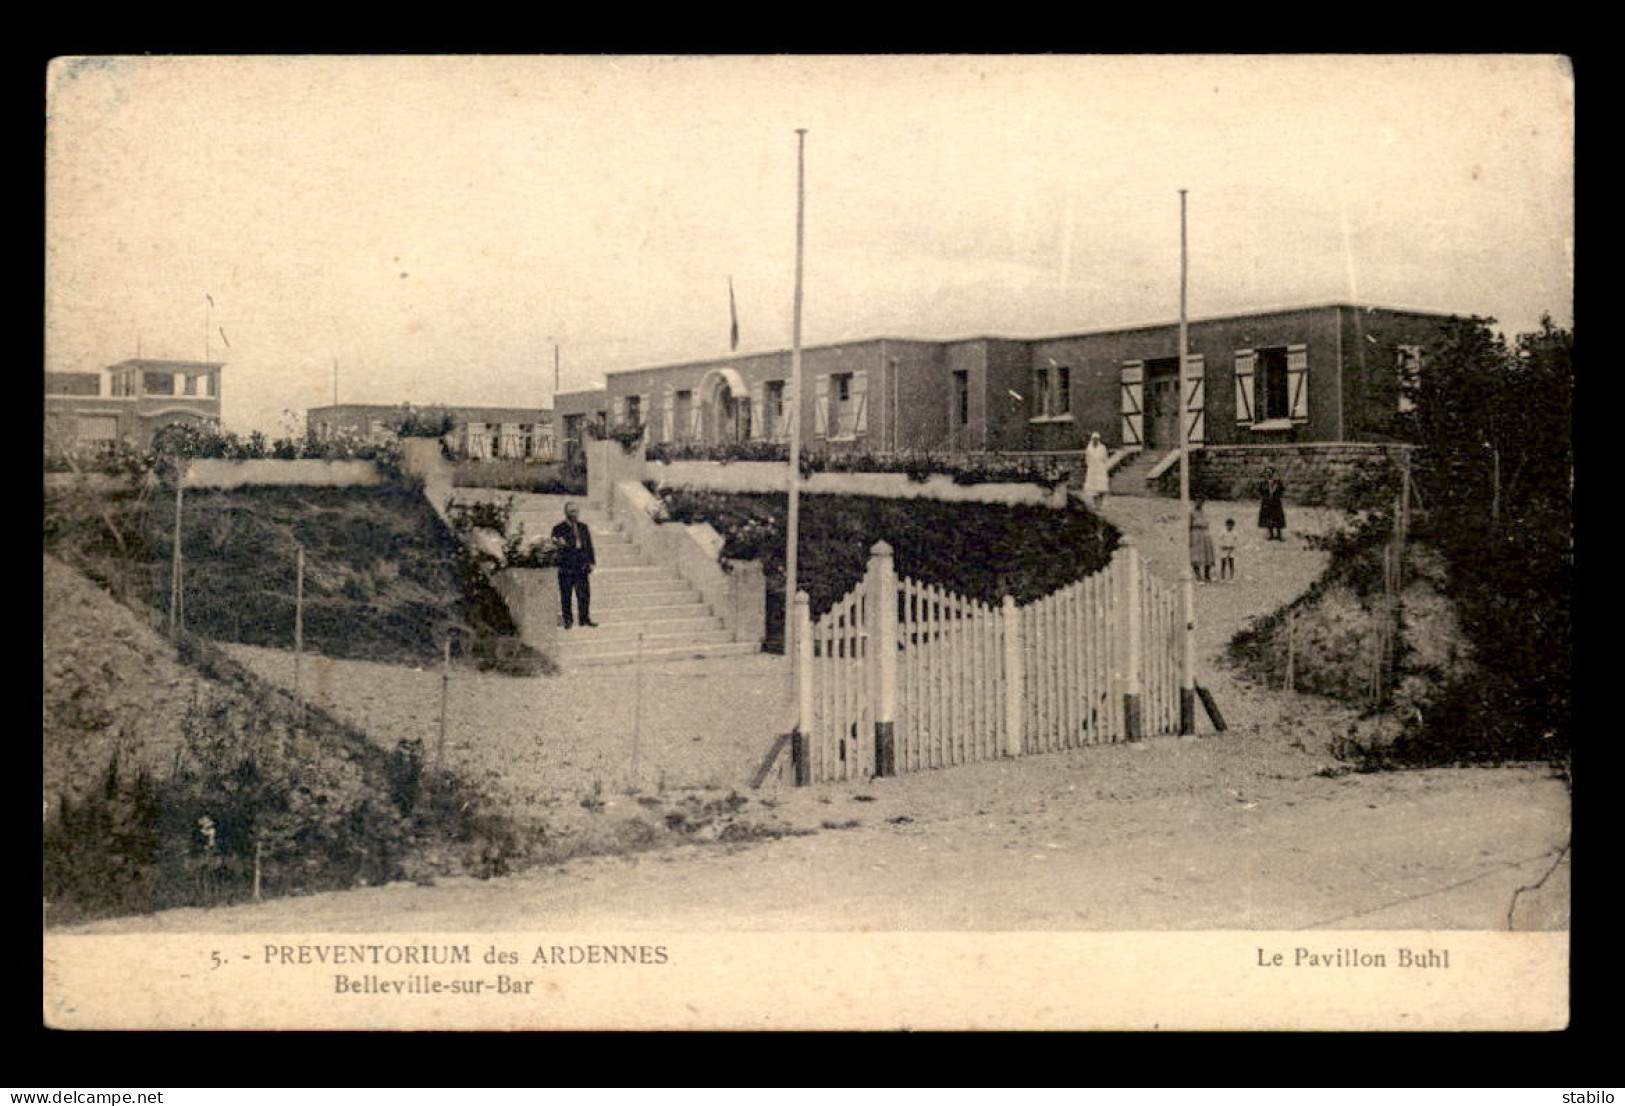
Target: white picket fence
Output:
[(927, 679)]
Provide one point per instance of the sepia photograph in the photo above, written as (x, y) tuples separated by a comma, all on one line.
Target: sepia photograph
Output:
[(808, 542)]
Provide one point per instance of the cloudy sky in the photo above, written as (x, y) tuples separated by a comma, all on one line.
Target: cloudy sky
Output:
[(436, 225)]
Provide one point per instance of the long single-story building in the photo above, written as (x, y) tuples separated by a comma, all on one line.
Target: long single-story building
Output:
[(128, 403), (1326, 373), (480, 433)]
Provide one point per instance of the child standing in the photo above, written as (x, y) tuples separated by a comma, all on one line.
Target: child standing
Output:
[(1227, 550)]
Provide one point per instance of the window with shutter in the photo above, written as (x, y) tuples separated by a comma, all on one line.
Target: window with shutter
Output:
[(761, 425), (859, 404), (1246, 359), (1195, 399), (1131, 392), (821, 406), (1297, 376), (668, 411)]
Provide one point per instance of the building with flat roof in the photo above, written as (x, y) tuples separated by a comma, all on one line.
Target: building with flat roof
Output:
[(128, 403), (1299, 375), (478, 433)]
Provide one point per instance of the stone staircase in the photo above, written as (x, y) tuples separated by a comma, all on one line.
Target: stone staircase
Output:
[(1129, 477), (631, 595)]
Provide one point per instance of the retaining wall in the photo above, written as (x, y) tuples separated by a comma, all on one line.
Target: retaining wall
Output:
[(216, 473), (771, 476), (1344, 474)]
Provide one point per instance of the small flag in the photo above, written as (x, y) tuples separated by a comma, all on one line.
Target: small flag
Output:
[(222, 331), (733, 318)]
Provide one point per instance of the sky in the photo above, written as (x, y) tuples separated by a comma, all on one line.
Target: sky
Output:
[(437, 226)]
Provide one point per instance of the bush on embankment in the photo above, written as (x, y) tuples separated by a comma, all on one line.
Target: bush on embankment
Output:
[(384, 578), (171, 773), (980, 550)]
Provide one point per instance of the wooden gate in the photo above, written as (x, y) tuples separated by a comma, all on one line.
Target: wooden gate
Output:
[(901, 676)]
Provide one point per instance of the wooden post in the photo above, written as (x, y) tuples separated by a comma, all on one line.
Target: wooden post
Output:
[(883, 641), (804, 690), (1015, 705), (175, 561), (445, 696), (299, 630), (637, 709), (1187, 674), (1133, 728), (1290, 681), (259, 855), (792, 584)]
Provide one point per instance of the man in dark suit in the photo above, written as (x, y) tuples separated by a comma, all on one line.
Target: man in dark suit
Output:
[(573, 542)]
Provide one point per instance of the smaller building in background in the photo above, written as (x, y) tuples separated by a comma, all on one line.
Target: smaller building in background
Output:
[(477, 433), (127, 403), (574, 411)]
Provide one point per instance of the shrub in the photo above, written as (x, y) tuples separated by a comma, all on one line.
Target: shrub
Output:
[(979, 550), (309, 807)]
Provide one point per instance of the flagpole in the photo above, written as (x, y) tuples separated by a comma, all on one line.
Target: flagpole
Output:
[(791, 579), (207, 309), (335, 382), (1187, 682)]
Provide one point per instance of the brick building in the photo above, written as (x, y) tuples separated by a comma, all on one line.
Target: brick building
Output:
[(1326, 373), (128, 402), (479, 433)]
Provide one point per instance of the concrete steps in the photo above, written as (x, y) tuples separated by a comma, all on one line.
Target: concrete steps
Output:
[(1129, 477), (631, 595)]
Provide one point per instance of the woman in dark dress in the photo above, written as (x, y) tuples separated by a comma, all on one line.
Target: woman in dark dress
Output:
[(1272, 508)]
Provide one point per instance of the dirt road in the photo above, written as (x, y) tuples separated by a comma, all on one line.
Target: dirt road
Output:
[(1256, 828)]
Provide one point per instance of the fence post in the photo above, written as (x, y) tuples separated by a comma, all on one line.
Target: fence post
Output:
[(804, 690), (1132, 728), (1015, 706), (1187, 675), (883, 640), (299, 631)]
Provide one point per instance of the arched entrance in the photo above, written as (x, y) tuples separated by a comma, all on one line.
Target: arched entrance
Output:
[(725, 407)]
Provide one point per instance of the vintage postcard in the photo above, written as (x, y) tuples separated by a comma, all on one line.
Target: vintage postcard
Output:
[(897, 542)]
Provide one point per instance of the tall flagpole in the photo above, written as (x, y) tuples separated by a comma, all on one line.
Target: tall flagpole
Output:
[(791, 580), (555, 372), (1187, 682), (335, 382)]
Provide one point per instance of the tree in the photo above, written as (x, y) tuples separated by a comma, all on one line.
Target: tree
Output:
[(1496, 475)]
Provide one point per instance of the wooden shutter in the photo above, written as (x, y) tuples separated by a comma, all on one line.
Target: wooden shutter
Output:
[(1195, 400), (1297, 381), (1131, 407), (758, 412), (821, 406), (787, 411), (1246, 362), (1409, 370), (617, 410), (696, 419), (860, 403), (668, 414)]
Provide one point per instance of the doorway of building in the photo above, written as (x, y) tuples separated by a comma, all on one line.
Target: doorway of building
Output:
[(1162, 404)]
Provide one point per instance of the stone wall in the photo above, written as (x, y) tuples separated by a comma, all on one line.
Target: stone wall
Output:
[(771, 476), (1343, 474)]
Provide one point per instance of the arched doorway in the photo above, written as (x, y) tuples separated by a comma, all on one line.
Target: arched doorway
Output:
[(725, 407)]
